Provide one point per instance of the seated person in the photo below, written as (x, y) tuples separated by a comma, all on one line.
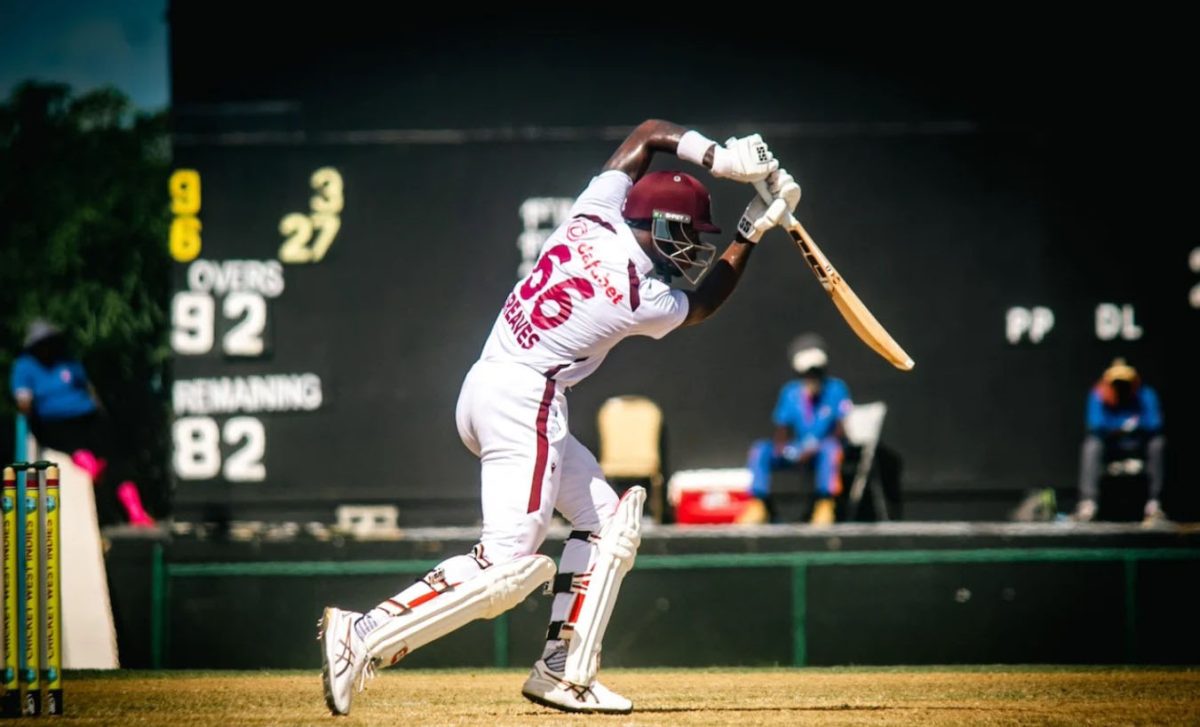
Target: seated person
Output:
[(1124, 421), (808, 429), (51, 388)]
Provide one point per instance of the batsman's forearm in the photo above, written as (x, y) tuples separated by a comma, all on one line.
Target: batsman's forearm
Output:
[(719, 283), (633, 156)]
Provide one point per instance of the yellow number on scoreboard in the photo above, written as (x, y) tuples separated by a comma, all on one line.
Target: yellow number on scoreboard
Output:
[(184, 237), (185, 192), (297, 229), (328, 183)]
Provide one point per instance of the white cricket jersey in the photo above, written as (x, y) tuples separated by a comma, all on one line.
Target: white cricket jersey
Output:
[(590, 288)]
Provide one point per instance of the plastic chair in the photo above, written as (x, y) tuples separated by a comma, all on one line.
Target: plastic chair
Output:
[(631, 431), (863, 426)]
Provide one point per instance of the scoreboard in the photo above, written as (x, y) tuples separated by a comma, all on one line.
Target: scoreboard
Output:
[(237, 330), (235, 380)]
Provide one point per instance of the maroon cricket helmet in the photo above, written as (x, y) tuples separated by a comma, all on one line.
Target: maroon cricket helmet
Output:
[(673, 193)]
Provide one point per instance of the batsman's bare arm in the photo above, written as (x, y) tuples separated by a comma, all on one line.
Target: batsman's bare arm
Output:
[(782, 195), (633, 156), (716, 287)]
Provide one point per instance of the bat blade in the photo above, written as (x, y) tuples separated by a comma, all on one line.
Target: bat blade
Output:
[(856, 313)]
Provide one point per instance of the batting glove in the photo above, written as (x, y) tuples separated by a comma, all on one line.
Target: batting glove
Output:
[(743, 160), (761, 216), (783, 186)]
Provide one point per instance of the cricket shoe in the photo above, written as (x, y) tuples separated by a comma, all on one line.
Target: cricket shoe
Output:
[(345, 664), (545, 686)]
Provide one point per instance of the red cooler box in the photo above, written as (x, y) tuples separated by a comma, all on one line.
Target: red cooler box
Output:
[(709, 496)]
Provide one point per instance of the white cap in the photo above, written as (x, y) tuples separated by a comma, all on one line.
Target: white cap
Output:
[(807, 353), (40, 330), (807, 359)]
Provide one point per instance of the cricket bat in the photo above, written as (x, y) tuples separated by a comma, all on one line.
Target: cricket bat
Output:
[(861, 321)]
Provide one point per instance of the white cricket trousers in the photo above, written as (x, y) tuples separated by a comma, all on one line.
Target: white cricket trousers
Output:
[(515, 420)]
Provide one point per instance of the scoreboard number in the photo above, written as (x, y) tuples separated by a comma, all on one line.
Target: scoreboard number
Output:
[(307, 237), (183, 239), (198, 450), (245, 338), (193, 323)]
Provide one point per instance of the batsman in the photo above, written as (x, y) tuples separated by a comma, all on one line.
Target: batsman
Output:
[(602, 276)]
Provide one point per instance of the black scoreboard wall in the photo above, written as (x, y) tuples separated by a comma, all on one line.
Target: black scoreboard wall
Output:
[(354, 197)]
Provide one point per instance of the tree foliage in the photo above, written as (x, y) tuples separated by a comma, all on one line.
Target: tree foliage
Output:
[(83, 224)]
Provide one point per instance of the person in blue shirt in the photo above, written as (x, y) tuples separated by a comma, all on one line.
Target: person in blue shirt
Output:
[(1124, 421), (808, 429), (52, 390)]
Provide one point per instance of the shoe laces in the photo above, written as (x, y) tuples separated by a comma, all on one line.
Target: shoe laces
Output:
[(368, 673), (583, 694)]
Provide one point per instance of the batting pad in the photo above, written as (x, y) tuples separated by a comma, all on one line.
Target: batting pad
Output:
[(616, 550), (489, 594)]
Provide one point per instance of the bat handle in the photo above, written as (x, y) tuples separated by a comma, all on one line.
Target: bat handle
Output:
[(765, 194)]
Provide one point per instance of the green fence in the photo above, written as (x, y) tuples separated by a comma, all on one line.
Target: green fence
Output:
[(164, 574)]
